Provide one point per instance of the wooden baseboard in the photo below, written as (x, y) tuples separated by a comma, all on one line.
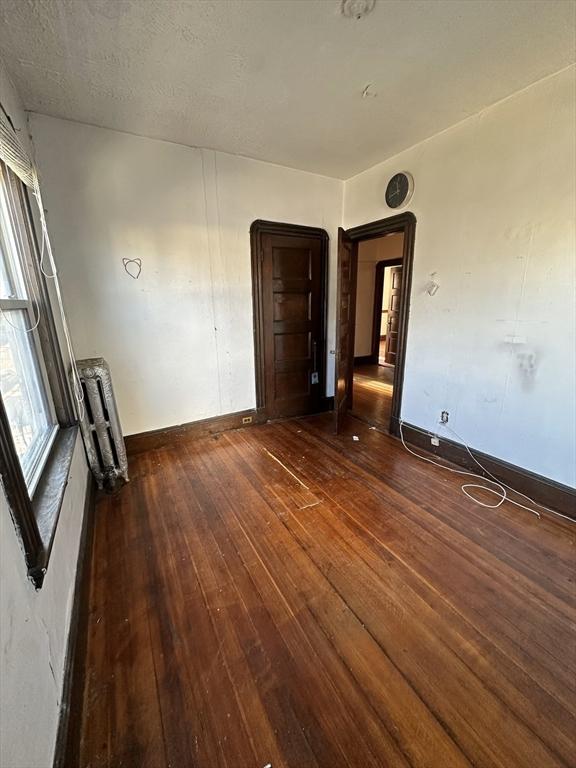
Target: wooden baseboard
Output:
[(72, 687), (365, 360), (561, 498), (147, 441)]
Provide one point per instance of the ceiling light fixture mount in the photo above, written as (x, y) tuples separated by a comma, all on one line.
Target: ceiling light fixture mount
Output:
[(356, 9)]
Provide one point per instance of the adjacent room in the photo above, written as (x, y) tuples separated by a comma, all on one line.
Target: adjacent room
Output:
[(377, 319), (288, 383)]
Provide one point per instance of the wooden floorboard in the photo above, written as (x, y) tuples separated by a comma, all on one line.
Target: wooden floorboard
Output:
[(372, 396), (279, 595)]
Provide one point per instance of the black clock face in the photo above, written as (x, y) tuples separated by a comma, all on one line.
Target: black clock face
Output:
[(398, 190)]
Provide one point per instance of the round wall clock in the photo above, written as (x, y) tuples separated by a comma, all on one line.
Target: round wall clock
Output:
[(399, 189)]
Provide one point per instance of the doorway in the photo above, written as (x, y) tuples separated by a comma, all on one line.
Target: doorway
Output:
[(372, 320), (378, 293), (289, 264)]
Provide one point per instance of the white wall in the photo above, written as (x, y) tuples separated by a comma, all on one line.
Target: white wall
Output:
[(34, 624), (495, 204), (179, 339), (494, 200), (370, 252), (34, 629)]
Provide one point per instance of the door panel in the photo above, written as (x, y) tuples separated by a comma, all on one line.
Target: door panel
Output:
[(291, 306), (392, 328), (345, 322), (293, 291), (292, 346), (289, 385)]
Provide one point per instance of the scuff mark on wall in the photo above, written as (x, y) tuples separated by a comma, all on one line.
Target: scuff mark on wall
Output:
[(527, 366), (50, 657)]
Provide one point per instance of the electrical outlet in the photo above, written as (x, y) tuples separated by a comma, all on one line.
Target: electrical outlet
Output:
[(435, 440), (247, 420), (444, 417)]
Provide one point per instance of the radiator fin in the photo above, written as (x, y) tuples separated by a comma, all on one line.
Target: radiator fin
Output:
[(100, 424)]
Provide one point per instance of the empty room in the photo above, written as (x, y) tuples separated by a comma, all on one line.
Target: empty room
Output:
[(288, 383)]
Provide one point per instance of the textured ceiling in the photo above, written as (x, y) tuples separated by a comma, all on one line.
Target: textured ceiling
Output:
[(281, 80)]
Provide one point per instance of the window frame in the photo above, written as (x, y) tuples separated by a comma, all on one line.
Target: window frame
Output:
[(35, 459), (35, 515), (21, 305)]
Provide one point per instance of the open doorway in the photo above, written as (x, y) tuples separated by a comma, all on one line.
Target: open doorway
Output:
[(372, 320), (378, 294)]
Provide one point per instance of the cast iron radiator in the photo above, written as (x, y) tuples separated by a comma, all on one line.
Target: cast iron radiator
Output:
[(100, 424)]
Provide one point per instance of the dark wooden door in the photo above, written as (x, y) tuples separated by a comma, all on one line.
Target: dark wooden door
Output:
[(393, 323), (293, 296), (345, 324)]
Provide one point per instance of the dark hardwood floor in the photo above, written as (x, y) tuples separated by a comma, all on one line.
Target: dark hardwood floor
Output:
[(278, 595), (372, 398)]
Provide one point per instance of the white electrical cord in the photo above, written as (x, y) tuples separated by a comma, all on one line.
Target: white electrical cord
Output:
[(501, 488), (53, 275)]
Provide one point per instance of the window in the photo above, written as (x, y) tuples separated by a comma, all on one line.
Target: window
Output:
[(23, 382), (36, 434)]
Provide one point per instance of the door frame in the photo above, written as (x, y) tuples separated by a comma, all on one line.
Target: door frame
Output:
[(377, 313), (257, 229), (404, 223)]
